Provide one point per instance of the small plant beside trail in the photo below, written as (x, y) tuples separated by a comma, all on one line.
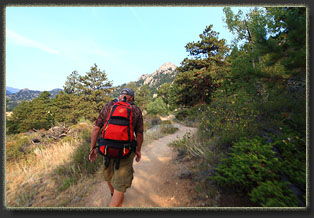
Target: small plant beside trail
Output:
[(254, 167), (159, 130)]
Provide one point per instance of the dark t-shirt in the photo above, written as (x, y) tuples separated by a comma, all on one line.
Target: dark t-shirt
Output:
[(137, 118)]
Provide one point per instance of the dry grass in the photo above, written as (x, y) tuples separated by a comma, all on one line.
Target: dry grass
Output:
[(30, 174), (32, 181)]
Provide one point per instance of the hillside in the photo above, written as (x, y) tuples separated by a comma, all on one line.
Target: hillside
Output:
[(11, 90), (164, 74), (13, 99)]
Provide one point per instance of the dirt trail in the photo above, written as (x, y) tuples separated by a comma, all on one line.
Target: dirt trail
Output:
[(156, 180)]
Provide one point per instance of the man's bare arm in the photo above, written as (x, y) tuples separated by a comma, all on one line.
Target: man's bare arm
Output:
[(94, 136), (139, 139)]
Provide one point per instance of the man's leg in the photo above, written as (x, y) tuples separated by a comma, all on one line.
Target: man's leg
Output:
[(110, 187), (117, 199)]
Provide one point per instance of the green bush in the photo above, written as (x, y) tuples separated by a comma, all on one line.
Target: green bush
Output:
[(250, 162), (254, 168), (80, 164), (80, 156), (228, 119), (158, 106), (286, 108), (190, 116), (167, 127), (150, 121), (187, 114), (17, 148), (274, 194), (292, 150), (66, 184)]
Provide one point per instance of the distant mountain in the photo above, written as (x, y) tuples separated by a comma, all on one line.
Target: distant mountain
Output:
[(54, 92), (25, 94), (164, 74), (11, 90)]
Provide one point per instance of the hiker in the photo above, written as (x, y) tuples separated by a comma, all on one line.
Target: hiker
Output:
[(119, 179)]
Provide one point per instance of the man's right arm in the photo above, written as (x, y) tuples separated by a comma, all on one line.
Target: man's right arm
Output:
[(139, 139)]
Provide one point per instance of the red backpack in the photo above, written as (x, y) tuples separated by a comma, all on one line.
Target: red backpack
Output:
[(117, 140)]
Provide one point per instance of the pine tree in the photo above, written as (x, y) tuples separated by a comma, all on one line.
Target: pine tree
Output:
[(200, 75), (164, 91), (89, 92), (19, 120), (62, 106), (41, 115), (72, 83), (142, 97)]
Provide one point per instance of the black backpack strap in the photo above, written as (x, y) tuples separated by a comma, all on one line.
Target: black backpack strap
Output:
[(107, 160), (118, 159), (133, 146)]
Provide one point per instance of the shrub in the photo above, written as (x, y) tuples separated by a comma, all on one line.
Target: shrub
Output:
[(16, 149), (158, 106), (167, 127), (228, 119), (254, 168), (150, 121), (292, 152), (250, 162), (79, 165), (190, 116), (274, 194)]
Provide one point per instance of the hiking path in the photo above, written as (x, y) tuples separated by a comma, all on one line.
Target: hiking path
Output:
[(156, 182)]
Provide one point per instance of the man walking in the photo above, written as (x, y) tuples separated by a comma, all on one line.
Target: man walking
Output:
[(119, 179)]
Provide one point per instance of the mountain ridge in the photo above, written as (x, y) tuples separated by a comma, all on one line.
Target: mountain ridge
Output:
[(13, 99), (166, 71), (164, 74)]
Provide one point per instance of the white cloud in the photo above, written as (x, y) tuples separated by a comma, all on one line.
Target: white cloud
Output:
[(17, 39)]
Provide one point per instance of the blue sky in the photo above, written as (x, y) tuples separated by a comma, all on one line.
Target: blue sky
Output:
[(45, 44)]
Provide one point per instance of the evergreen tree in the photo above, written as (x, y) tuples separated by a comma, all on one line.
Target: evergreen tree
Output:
[(89, 93), (41, 115), (62, 108), (72, 83), (157, 106), (95, 88), (142, 97), (20, 118), (200, 75), (286, 43), (164, 91)]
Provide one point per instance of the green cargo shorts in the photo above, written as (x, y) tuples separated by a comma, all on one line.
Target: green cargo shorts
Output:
[(120, 179)]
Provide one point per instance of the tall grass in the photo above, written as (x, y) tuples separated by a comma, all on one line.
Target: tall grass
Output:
[(21, 175), (33, 181)]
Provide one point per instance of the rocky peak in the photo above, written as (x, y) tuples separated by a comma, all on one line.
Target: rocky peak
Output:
[(167, 70), (24, 90)]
